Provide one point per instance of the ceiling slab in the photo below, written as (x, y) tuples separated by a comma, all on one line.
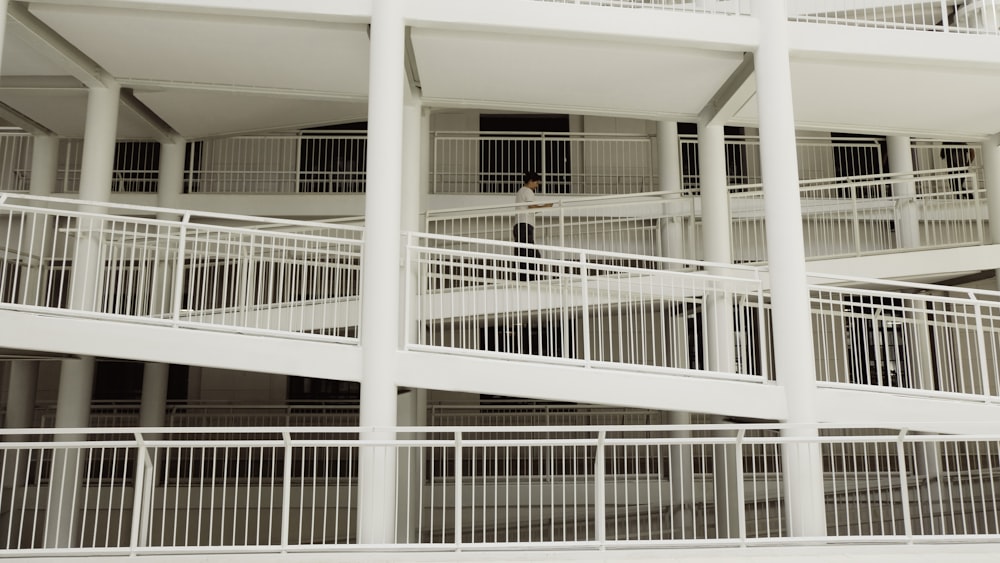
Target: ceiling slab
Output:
[(884, 97), (211, 49), (196, 114), (22, 57), (64, 112), (578, 73)]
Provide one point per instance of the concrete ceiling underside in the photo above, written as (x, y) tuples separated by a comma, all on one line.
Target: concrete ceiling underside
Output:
[(208, 74)]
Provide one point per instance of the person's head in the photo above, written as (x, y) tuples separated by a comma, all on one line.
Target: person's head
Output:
[(532, 179)]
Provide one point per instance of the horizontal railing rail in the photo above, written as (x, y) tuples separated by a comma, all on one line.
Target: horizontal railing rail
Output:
[(207, 490), (123, 414), (870, 214), (817, 157), (632, 224), (583, 308), (907, 337), (854, 216), (201, 270)]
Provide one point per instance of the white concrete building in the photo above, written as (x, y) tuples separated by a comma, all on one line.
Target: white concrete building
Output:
[(260, 292)]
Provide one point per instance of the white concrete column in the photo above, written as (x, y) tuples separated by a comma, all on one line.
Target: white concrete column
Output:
[(44, 167), (681, 477), (23, 380), (153, 407), (991, 176), (720, 345), (3, 24), (907, 207), (22, 387), (100, 134), (170, 184), (44, 164), (76, 382), (76, 379), (675, 215), (95, 185), (714, 194), (409, 473), (792, 330), (416, 127), (380, 316)]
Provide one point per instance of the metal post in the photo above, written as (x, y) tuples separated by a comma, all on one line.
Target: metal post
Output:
[(585, 308), (179, 270), (286, 490), (984, 369), (740, 487), (904, 492), (458, 491), (600, 476), (138, 493)]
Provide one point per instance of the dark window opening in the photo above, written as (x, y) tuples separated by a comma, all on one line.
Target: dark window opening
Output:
[(120, 380), (136, 167), (531, 336), (312, 390), (334, 159), (522, 147), (193, 153)]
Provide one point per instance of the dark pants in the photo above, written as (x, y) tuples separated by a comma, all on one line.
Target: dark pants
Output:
[(524, 234)]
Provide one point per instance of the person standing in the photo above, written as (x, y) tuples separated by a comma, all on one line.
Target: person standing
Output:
[(524, 224)]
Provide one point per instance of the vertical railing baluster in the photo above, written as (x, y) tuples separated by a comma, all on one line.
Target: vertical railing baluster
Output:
[(458, 491), (286, 490), (179, 269), (904, 493), (600, 478), (984, 372), (740, 486), (585, 308), (138, 496)]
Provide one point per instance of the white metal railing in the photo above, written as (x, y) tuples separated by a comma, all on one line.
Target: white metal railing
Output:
[(948, 16), (569, 163), (818, 157), (135, 168), (868, 215), (723, 7), (468, 162), (907, 337), (208, 490), (15, 161), (583, 308), (202, 270), (306, 162), (841, 217), (632, 224), (125, 414)]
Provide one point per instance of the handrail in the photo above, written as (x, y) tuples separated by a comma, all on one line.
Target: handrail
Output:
[(285, 489), (752, 271), (185, 215), (569, 203)]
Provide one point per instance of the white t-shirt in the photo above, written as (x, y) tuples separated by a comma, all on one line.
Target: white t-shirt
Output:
[(526, 196)]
